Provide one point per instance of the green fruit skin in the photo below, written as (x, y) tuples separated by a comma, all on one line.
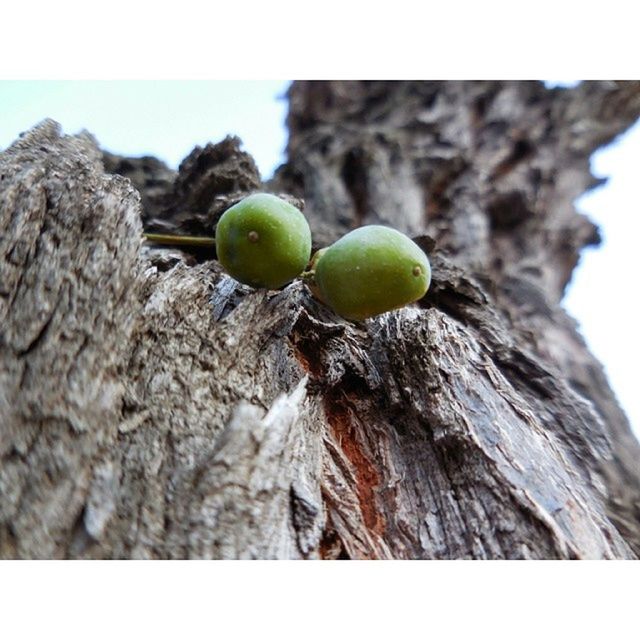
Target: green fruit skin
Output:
[(279, 252), (372, 270)]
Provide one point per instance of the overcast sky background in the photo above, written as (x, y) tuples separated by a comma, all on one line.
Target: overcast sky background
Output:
[(168, 118)]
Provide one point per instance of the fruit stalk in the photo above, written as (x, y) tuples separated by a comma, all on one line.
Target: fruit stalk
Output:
[(191, 241)]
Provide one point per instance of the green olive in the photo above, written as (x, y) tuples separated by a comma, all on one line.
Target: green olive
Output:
[(263, 241), (371, 270)]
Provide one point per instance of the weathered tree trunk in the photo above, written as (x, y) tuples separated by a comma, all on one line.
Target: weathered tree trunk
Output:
[(152, 407)]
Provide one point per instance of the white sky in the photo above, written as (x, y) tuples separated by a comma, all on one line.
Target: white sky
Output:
[(601, 295), (164, 118), (168, 118)]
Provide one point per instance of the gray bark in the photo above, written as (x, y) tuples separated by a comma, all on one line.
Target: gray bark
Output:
[(152, 407)]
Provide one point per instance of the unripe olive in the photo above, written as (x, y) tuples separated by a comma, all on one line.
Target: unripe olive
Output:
[(263, 241), (371, 270)]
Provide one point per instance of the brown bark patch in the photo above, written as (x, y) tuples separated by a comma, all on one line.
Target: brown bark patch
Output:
[(345, 431)]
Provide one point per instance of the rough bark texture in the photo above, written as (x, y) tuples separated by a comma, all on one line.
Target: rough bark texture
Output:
[(152, 407)]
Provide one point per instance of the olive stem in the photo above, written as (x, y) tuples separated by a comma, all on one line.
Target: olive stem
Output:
[(308, 276), (193, 241)]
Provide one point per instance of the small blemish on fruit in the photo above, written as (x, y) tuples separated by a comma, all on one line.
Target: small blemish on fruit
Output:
[(253, 236), (417, 271)]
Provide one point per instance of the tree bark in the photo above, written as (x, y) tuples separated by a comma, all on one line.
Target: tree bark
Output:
[(152, 407)]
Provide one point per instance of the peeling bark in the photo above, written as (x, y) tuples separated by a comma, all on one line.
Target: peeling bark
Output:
[(152, 407)]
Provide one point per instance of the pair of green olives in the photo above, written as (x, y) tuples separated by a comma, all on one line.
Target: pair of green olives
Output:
[(264, 241)]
